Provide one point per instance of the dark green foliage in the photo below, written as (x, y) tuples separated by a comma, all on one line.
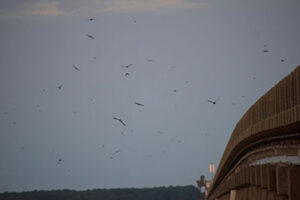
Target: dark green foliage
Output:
[(157, 193)]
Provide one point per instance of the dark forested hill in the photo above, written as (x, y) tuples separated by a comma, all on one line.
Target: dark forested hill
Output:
[(157, 193)]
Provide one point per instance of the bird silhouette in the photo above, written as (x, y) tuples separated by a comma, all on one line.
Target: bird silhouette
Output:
[(127, 66), (139, 104), (60, 86), (282, 60), (119, 121), (127, 74), (92, 19), (59, 160), (76, 68), (213, 102), (265, 51), (117, 151), (90, 36)]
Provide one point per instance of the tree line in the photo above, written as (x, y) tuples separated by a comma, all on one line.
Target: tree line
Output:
[(157, 193)]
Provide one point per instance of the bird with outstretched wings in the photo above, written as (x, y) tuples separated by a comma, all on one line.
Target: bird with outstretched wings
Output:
[(90, 36), (120, 120), (76, 68), (139, 104), (213, 102), (117, 151), (127, 66)]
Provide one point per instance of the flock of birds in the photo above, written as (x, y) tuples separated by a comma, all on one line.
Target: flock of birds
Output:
[(121, 121)]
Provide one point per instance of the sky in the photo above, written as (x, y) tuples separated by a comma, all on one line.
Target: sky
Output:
[(56, 122)]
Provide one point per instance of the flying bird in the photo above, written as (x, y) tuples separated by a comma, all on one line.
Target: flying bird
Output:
[(117, 151), (150, 60), (92, 19), (119, 121), (59, 160), (127, 66), (213, 102), (139, 104), (60, 86), (76, 68), (282, 60), (127, 74), (265, 51), (90, 36)]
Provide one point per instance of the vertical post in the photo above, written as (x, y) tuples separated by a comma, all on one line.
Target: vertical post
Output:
[(232, 194), (212, 170)]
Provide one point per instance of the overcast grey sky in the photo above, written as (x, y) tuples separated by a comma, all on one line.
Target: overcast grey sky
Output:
[(183, 52)]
